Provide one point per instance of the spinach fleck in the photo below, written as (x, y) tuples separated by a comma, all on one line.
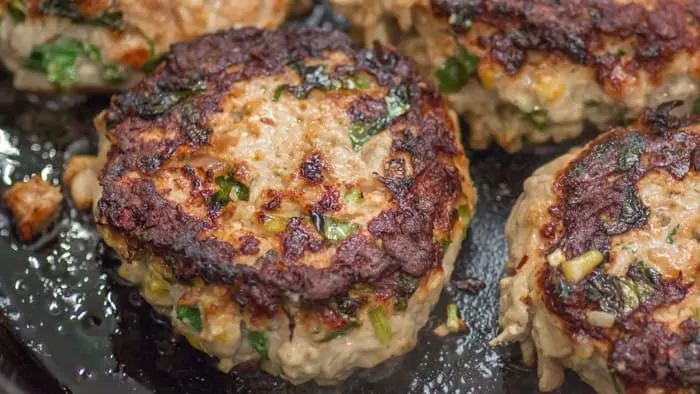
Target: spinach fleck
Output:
[(398, 103), (59, 61)]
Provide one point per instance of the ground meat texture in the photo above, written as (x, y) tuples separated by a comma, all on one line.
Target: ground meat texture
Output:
[(531, 71), (35, 204), (243, 185), (631, 320), (108, 45)]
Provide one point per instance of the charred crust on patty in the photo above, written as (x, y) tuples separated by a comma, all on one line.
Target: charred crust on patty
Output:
[(179, 101), (597, 199), (577, 30)]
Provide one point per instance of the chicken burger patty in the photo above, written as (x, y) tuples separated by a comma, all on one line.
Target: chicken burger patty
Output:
[(604, 261), (286, 199), (531, 71), (108, 44)]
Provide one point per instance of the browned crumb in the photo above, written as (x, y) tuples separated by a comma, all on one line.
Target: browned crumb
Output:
[(35, 204), (80, 176)]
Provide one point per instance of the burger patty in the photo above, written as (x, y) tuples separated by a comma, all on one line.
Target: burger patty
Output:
[(286, 198), (529, 71), (604, 260), (108, 44)]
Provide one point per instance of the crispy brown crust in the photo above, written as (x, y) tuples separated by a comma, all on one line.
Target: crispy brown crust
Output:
[(577, 29), (597, 199), (184, 94)]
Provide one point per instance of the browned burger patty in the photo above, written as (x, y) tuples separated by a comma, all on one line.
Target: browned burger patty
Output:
[(605, 259), (528, 71), (108, 44), (286, 198)]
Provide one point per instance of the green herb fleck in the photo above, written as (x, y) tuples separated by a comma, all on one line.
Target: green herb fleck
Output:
[(152, 64), (16, 10), (380, 322), (696, 107), (59, 61), (336, 230), (279, 91), (539, 117), (669, 237), (258, 342), (190, 316), (591, 104), (400, 304), (618, 387), (454, 73), (446, 244), (354, 197), (631, 153), (351, 325), (623, 295), (227, 184), (463, 212), (315, 77), (696, 315), (397, 104)]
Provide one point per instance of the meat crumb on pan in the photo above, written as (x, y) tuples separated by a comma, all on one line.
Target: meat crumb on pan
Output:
[(35, 204), (80, 177)]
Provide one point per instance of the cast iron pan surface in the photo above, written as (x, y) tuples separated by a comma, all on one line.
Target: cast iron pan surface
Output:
[(70, 325)]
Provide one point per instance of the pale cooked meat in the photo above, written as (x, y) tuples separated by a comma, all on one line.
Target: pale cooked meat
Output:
[(107, 45), (526, 71)]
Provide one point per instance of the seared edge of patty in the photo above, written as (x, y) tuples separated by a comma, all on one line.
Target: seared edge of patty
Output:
[(580, 203)]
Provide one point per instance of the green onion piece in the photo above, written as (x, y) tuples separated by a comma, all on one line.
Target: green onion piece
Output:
[(591, 104), (152, 64), (446, 244), (463, 212), (352, 324), (16, 10), (275, 224), (380, 322), (190, 316), (400, 304), (539, 117), (618, 387), (258, 342), (359, 135), (669, 237), (354, 197), (696, 315), (355, 82), (59, 61), (696, 107), (454, 73), (227, 184), (111, 73), (336, 230), (452, 322), (279, 91), (397, 104)]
